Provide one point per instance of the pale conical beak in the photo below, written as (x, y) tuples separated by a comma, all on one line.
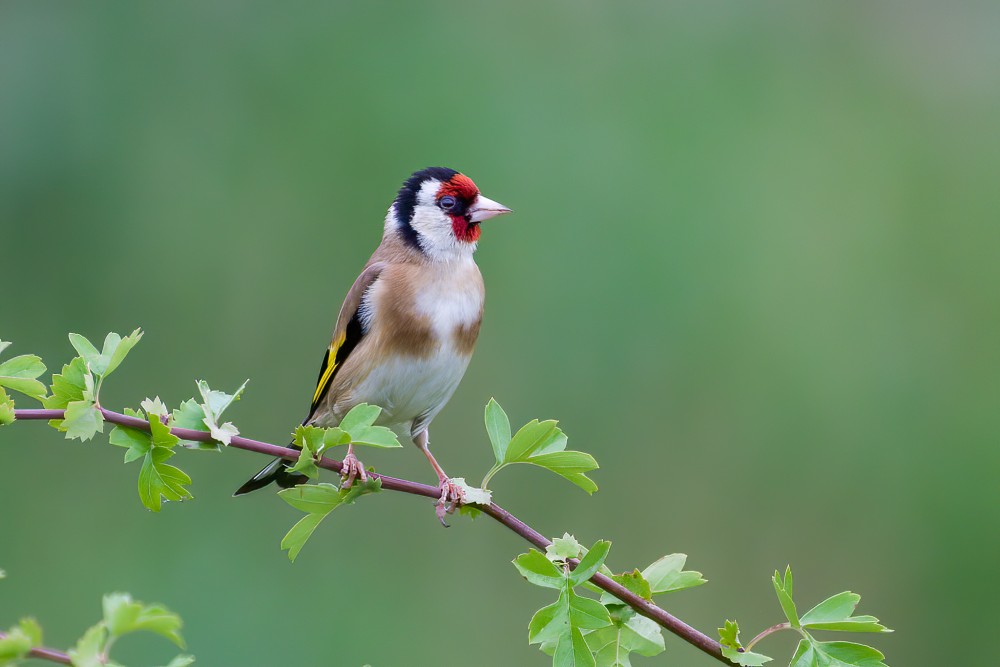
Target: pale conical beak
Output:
[(484, 209)]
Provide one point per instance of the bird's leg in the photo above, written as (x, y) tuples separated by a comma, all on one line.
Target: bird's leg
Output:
[(353, 469), (451, 494)]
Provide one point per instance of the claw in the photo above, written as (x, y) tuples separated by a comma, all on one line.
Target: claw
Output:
[(353, 469), (451, 497)]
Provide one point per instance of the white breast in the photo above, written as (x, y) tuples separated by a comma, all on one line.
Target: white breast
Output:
[(450, 300), (413, 390)]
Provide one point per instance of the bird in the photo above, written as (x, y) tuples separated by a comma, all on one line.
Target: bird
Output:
[(408, 326)]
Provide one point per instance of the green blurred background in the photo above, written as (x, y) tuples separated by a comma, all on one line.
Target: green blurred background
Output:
[(753, 269)]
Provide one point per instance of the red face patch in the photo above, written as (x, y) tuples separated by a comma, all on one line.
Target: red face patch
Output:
[(462, 188), (459, 186), (465, 230)]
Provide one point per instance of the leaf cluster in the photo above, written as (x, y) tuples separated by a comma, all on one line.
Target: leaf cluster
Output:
[(77, 389), (580, 631), (836, 613), (19, 640), (356, 428), (18, 374), (122, 616), (540, 443), (317, 501)]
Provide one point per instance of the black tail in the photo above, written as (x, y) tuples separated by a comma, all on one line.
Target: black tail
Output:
[(275, 471)]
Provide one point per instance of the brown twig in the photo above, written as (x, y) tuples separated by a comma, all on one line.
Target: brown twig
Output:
[(639, 604)]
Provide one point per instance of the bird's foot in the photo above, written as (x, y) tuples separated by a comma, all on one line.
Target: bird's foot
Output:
[(452, 496), (353, 469)]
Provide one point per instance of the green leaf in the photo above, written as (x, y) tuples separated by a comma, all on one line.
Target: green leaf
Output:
[(498, 428), (564, 548), (313, 498), (633, 581), (612, 654), (566, 463), (67, 388), (642, 636), (158, 480), (544, 444), (532, 438), (539, 570), (19, 373), (318, 500), (89, 650), (19, 640), (563, 621), (154, 406), (31, 629), (181, 661), (6, 409), (745, 658), (811, 653), (783, 589), (729, 637), (537, 443), (729, 634), (667, 574), (190, 415), (591, 562), (214, 404), (104, 363), (551, 622), (91, 356), (158, 620), (135, 441), (120, 613), (835, 613), (313, 442), (309, 440), (359, 423), (362, 414), (82, 420), (587, 613), (572, 651), (121, 350), (470, 511), (299, 534), (583, 482), (123, 616), (635, 633)]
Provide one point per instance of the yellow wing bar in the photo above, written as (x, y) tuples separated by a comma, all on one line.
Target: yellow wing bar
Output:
[(331, 365)]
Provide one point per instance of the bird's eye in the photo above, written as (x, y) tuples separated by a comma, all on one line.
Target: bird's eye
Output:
[(447, 202)]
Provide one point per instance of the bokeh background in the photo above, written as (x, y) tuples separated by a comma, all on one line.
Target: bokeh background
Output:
[(753, 269)]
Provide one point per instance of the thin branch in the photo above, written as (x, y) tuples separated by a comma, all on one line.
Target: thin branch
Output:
[(639, 604), (49, 654)]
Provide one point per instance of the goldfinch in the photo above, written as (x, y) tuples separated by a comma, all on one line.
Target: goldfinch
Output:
[(409, 324)]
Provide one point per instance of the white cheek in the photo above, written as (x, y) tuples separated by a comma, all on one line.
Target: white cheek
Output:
[(434, 228)]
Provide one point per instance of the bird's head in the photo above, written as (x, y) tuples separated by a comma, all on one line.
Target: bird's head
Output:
[(439, 210)]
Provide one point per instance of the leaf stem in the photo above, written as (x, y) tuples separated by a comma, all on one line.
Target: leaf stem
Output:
[(769, 631), (494, 470), (642, 606)]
